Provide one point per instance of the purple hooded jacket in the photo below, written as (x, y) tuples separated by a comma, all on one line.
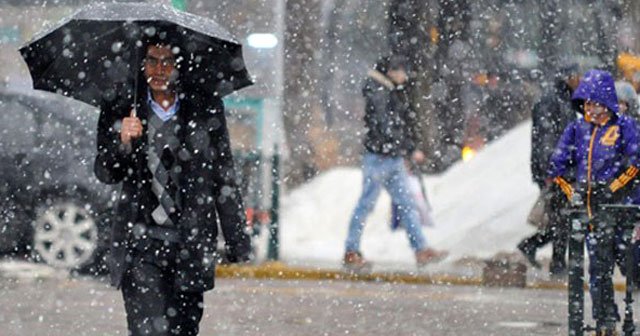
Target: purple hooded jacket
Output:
[(598, 153)]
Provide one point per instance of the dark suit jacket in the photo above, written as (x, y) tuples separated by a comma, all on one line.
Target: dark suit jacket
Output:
[(207, 184)]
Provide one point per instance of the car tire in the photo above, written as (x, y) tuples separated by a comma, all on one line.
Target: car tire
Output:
[(65, 234)]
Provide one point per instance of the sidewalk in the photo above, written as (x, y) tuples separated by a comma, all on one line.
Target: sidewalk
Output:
[(467, 272)]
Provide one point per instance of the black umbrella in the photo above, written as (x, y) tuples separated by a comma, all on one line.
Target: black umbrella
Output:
[(96, 53)]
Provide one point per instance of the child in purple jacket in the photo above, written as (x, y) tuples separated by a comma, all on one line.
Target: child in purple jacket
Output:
[(602, 149)]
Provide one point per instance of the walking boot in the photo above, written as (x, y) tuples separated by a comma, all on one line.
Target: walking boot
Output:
[(607, 332), (529, 253), (558, 271), (354, 262), (429, 256)]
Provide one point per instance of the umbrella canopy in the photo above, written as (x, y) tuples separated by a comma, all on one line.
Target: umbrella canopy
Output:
[(97, 52)]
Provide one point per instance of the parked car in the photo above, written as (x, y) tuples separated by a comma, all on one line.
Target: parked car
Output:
[(52, 208)]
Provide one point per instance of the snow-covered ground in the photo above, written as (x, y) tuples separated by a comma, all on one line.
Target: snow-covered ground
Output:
[(480, 209)]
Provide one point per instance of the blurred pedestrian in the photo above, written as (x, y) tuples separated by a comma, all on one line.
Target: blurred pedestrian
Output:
[(603, 146), (172, 155), (635, 82), (627, 99), (550, 116), (390, 138), (496, 105), (628, 103)]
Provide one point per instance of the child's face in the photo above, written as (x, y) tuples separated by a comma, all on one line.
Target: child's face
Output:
[(595, 112)]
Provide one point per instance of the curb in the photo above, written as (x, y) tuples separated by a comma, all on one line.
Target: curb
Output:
[(280, 271), (617, 286)]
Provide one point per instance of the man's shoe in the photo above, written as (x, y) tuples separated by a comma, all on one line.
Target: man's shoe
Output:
[(429, 256), (557, 271), (529, 254), (354, 262)]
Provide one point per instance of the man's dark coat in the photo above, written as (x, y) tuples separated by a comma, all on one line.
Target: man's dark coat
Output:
[(550, 116), (207, 186), (389, 119)]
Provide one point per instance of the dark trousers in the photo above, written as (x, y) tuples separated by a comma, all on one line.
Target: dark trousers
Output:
[(153, 305), (556, 232), (605, 248)]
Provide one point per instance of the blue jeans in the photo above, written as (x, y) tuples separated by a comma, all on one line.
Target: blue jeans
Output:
[(388, 172)]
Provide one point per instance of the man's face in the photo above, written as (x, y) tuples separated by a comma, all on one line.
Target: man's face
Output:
[(573, 81), (398, 76), (160, 67)]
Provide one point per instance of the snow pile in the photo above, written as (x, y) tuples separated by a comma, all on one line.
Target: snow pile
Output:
[(480, 209)]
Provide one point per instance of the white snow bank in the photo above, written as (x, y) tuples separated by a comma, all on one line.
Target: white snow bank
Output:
[(480, 209)]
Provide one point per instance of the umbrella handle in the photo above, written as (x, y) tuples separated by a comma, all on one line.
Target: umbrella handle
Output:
[(134, 112)]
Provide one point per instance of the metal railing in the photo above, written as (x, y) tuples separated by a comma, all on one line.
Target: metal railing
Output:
[(261, 194)]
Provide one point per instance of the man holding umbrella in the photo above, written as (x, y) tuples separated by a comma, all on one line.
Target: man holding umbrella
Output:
[(162, 134), (177, 175)]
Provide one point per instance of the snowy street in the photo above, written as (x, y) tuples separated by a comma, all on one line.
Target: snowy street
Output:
[(305, 167), (62, 306)]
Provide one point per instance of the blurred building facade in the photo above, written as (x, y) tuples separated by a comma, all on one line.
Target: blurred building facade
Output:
[(307, 97)]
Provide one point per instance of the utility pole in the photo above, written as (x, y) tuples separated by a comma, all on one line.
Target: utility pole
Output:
[(300, 95), (410, 26), (549, 44)]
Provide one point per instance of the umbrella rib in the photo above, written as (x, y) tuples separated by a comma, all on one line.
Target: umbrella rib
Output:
[(103, 35)]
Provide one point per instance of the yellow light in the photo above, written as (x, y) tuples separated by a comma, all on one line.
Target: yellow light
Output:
[(468, 153)]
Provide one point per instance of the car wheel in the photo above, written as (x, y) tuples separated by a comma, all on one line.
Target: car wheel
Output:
[(65, 235)]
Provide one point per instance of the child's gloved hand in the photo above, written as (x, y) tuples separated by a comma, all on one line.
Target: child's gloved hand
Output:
[(566, 188)]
